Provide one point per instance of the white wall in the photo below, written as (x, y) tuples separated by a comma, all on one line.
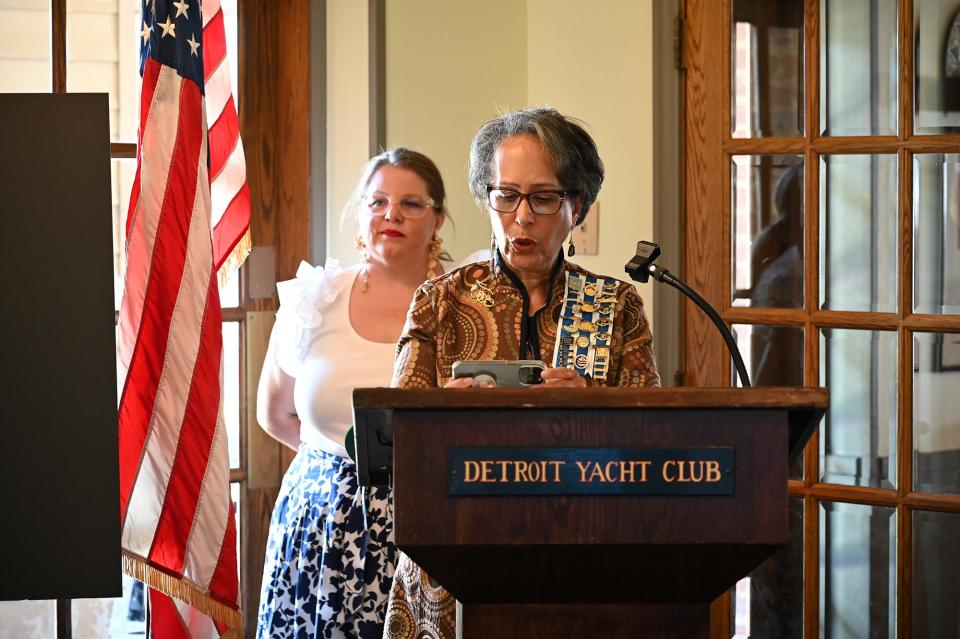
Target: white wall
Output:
[(348, 109), (446, 75), (452, 66), (594, 61)]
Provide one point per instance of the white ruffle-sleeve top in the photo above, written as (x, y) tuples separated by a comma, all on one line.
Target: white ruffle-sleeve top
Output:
[(314, 342)]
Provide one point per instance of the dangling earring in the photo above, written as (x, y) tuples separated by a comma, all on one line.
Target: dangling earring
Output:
[(494, 263), (572, 250), (433, 257), (365, 269)]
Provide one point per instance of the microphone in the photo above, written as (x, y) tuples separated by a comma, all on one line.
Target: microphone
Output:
[(642, 266)]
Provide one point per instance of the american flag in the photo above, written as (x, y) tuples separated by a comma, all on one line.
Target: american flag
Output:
[(177, 517), (230, 197)]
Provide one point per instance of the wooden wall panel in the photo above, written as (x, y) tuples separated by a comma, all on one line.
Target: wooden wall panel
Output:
[(274, 43), (705, 205), (263, 453), (253, 542), (275, 124)]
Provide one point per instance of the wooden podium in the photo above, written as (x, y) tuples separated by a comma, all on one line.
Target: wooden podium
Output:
[(580, 555)]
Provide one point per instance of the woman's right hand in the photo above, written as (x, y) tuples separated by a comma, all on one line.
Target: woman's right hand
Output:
[(275, 408), (459, 382)]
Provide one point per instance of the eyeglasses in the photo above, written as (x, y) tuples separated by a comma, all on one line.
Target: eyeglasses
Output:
[(410, 207), (540, 202)]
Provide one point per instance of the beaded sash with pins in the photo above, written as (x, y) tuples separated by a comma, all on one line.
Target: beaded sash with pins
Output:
[(586, 324)]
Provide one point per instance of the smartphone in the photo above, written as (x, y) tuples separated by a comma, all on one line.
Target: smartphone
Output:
[(499, 372)]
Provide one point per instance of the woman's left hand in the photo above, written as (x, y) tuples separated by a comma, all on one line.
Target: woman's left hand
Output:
[(562, 378)]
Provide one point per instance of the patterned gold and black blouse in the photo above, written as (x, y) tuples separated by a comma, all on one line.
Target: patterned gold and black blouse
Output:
[(471, 313)]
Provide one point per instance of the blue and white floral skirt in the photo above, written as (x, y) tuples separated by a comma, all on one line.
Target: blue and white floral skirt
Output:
[(330, 555)]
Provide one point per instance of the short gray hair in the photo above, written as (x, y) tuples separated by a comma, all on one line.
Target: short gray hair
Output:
[(571, 149)]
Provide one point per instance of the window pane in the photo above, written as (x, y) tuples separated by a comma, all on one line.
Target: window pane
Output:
[(231, 389), (28, 619), (773, 356), (936, 412), (936, 233), (769, 603), (122, 173), (230, 290), (858, 67), (114, 618), (858, 232), (936, 27), (858, 568), (237, 503), (936, 574), (767, 231), (103, 56), (25, 65), (767, 68), (858, 436)]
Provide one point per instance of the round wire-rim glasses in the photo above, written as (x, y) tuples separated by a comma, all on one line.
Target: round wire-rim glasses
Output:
[(412, 207)]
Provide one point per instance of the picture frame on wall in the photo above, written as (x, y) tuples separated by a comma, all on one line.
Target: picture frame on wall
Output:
[(947, 350)]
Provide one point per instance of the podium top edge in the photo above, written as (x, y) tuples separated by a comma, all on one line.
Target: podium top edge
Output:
[(592, 398)]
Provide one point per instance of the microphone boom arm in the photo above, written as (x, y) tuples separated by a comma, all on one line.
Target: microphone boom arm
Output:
[(642, 266)]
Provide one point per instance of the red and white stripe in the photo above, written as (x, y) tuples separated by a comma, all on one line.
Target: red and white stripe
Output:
[(176, 509), (173, 619), (229, 195)]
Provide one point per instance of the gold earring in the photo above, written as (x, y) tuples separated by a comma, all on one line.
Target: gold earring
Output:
[(572, 250), (434, 269), (364, 270)]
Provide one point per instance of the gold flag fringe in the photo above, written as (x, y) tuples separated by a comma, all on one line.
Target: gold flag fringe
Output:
[(235, 260), (184, 590)]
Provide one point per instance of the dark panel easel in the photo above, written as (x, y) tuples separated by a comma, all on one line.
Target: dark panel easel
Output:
[(59, 462)]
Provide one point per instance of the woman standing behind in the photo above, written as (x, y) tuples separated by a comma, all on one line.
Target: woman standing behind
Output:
[(537, 173), (330, 554)]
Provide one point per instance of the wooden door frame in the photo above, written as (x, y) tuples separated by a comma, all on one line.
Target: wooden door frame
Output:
[(708, 148), (705, 74), (274, 41)]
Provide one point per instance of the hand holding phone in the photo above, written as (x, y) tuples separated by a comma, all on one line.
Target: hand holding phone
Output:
[(501, 373)]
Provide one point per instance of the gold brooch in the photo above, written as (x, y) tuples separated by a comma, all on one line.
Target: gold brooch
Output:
[(482, 293)]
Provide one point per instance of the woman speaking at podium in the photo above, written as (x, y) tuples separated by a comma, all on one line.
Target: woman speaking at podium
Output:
[(536, 172)]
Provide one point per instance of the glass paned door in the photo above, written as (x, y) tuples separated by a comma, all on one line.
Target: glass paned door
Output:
[(829, 131)]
